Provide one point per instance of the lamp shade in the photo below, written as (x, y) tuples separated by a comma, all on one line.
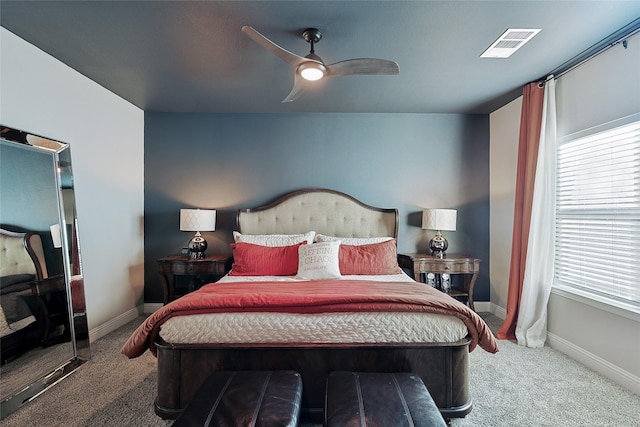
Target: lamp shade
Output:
[(439, 219), (197, 220), (56, 235)]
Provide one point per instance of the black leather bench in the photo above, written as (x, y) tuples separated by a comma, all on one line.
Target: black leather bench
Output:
[(245, 398), (379, 399)]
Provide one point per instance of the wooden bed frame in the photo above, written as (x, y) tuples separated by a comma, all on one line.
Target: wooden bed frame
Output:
[(444, 367)]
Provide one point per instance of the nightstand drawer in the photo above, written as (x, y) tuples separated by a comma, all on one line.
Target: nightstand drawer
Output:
[(191, 268), (445, 267)]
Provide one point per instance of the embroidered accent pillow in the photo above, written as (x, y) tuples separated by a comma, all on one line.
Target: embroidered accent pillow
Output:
[(319, 261)]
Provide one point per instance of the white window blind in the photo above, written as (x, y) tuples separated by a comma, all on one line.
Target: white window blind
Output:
[(598, 214)]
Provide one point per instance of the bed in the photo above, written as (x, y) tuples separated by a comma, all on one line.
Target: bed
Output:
[(341, 303)]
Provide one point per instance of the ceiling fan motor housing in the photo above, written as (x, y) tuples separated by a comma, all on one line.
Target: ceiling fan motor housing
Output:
[(312, 35)]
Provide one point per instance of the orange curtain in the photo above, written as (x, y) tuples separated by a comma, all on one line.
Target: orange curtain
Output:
[(529, 139)]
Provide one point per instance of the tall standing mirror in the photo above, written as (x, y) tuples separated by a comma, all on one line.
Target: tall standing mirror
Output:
[(43, 319)]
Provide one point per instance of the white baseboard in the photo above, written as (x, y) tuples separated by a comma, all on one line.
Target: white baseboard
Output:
[(482, 306), (590, 360), (123, 319), (498, 311), (151, 307), (618, 375), (489, 307), (113, 324)]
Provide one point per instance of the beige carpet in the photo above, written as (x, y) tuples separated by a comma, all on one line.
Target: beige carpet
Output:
[(108, 390), (520, 386), (13, 374), (516, 387)]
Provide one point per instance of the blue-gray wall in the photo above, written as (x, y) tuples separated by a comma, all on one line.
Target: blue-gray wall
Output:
[(29, 196), (232, 161)]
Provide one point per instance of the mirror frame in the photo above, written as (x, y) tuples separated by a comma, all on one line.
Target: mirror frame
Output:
[(79, 331)]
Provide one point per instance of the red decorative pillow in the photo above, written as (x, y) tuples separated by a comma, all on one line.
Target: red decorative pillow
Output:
[(373, 259), (258, 260)]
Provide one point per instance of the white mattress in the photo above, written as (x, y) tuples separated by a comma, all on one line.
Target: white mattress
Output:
[(317, 328)]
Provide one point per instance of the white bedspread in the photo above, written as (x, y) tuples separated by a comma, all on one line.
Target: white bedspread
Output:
[(374, 327)]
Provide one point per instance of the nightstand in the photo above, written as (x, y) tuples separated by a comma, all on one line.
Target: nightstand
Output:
[(453, 264), (211, 267)]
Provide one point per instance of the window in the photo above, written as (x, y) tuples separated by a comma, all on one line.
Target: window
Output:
[(598, 213)]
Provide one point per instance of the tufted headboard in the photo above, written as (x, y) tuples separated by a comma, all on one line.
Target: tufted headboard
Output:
[(324, 211), (21, 253)]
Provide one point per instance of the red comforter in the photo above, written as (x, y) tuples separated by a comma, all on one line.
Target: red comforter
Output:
[(311, 297)]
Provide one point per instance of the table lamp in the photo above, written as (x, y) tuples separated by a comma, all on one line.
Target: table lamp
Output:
[(439, 219), (56, 235), (197, 220)]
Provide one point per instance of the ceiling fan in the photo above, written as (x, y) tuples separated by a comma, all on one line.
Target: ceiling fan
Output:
[(311, 67)]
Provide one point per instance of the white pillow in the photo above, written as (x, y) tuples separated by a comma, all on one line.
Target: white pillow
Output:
[(274, 239), (353, 241), (319, 261)]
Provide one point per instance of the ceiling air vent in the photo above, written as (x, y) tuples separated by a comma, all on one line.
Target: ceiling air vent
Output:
[(512, 40)]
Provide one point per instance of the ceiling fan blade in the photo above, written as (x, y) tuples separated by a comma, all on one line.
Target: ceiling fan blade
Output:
[(281, 53), (298, 88), (363, 66)]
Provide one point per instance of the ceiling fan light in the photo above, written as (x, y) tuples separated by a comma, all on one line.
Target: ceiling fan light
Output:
[(311, 74), (311, 71)]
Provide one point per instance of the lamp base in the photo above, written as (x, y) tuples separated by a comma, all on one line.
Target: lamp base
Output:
[(197, 246), (438, 245)]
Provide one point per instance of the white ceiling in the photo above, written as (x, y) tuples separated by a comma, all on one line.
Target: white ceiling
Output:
[(191, 56)]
